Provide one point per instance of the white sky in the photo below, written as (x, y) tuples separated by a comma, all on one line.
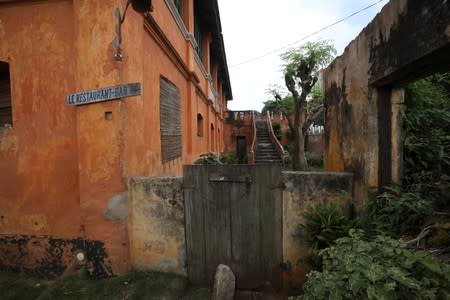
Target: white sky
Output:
[(252, 28)]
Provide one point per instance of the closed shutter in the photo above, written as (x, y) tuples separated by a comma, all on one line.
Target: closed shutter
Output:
[(170, 123), (5, 100)]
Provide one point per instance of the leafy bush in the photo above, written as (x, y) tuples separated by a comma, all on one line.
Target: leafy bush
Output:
[(395, 212), (315, 162), (228, 158), (208, 159), (427, 138), (382, 268), (324, 224), (277, 130)]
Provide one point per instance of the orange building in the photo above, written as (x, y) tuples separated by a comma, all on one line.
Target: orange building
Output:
[(65, 168)]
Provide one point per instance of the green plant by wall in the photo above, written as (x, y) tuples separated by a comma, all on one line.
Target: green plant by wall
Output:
[(427, 138), (228, 158), (381, 268), (208, 159), (323, 224), (395, 212), (277, 130), (315, 162)]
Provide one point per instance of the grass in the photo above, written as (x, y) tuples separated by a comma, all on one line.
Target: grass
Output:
[(134, 285)]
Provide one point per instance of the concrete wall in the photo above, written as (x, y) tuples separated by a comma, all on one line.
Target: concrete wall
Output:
[(65, 170), (302, 190), (407, 40), (156, 224), (156, 219)]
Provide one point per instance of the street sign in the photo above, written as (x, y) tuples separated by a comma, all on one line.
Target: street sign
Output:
[(104, 94)]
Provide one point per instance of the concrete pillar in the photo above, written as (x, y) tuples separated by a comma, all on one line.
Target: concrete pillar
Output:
[(397, 104)]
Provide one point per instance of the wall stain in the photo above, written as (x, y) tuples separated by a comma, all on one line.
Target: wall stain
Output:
[(48, 257)]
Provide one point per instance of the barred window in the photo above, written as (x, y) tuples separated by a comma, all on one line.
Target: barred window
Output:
[(170, 124)]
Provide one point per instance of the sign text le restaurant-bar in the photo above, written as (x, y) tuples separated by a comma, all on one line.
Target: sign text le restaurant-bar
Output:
[(104, 94)]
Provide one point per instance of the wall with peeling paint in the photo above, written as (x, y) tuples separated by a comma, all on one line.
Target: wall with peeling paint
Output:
[(303, 189), (407, 40), (156, 219), (65, 170), (156, 224)]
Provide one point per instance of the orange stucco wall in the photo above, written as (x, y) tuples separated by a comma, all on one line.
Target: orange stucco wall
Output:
[(38, 156), (60, 164)]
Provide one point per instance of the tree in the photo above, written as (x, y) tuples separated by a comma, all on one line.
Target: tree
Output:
[(281, 104), (301, 67)]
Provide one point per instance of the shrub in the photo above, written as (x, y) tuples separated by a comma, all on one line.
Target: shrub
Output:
[(324, 224), (315, 162), (228, 158), (277, 130), (382, 268), (208, 159), (427, 138), (396, 213)]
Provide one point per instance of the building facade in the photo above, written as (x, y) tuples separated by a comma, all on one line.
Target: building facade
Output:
[(65, 168)]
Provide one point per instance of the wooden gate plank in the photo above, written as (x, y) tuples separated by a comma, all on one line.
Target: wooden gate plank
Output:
[(195, 242), (217, 219), (271, 224), (246, 234)]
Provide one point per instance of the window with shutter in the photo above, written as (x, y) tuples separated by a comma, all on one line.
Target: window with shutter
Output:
[(5, 95), (170, 123)]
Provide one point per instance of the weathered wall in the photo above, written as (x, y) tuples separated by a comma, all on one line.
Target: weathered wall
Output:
[(406, 40), (156, 219), (39, 154), (303, 189), (156, 224), (46, 256)]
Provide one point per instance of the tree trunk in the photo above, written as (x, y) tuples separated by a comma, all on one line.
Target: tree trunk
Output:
[(299, 162)]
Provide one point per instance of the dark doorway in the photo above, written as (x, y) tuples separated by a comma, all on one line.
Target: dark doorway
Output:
[(241, 149)]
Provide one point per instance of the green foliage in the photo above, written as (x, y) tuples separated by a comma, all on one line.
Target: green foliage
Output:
[(314, 103), (382, 268), (228, 158), (395, 212), (427, 138), (284, 106), (316, 55), (315, 162), (208, 159), (277, 130), (324, 224)]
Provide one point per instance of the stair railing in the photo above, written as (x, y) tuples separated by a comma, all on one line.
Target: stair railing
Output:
[(251, 153), (278, 146)]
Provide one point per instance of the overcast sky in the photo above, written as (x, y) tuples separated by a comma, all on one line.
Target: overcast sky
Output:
[(252, 28)]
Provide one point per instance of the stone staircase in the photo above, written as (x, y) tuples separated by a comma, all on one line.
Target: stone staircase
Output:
[(266, 152)]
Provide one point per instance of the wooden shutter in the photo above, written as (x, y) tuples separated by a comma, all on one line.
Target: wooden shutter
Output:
[(170, 124), (5, 100)]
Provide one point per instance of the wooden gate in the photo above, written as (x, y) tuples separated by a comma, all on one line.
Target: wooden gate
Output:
[(233, 217)]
